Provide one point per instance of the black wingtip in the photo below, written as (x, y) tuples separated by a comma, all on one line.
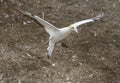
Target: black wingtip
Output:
[(98, 17)]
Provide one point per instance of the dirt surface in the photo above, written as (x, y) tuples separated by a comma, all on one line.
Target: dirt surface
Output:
[(93, 55)]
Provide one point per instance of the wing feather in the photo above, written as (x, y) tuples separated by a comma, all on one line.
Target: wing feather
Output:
[(87, 20), (82, 22), (48, 26)]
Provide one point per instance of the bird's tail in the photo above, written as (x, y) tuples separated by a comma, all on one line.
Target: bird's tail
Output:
[(50, 48)]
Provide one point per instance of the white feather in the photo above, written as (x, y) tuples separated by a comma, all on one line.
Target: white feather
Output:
[(50, 47), (82, 22)]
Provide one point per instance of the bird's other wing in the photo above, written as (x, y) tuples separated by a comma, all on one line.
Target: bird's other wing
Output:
[(88, 20), (48, 26), (82, 22)]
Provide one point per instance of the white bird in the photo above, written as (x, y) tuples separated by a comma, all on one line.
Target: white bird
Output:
[(57, 34)]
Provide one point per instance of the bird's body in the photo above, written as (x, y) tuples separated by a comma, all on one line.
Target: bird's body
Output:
[(57, 34), (56, 37), (61, 34)]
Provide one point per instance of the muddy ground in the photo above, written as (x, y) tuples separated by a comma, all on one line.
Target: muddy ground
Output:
[(93, 55)]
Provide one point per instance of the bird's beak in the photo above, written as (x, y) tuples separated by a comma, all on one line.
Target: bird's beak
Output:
[(75, 29)]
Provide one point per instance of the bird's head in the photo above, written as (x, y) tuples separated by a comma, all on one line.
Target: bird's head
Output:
[(74, 28)]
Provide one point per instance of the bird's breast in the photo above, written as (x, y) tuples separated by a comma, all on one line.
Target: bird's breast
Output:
[(63, 33)]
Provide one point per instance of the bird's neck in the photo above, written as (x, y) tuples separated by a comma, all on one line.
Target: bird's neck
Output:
[(70, 27), (66, 30)]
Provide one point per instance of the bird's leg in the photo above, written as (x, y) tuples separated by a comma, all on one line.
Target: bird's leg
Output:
[(64, 44), (48, 57)]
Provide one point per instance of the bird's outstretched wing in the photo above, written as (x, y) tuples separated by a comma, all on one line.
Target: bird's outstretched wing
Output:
[(87, 20), (82, 22), (48, 26)]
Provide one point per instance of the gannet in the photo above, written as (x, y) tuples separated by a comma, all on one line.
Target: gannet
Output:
[(57, 34)]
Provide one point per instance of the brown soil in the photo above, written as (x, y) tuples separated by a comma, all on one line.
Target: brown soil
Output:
[(93, 55)]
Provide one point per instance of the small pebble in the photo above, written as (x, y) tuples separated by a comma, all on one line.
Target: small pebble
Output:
[(29, 21), (6, 16), (86, 0), (67, 78), (53, 65), (28, 55), (24, 23)]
